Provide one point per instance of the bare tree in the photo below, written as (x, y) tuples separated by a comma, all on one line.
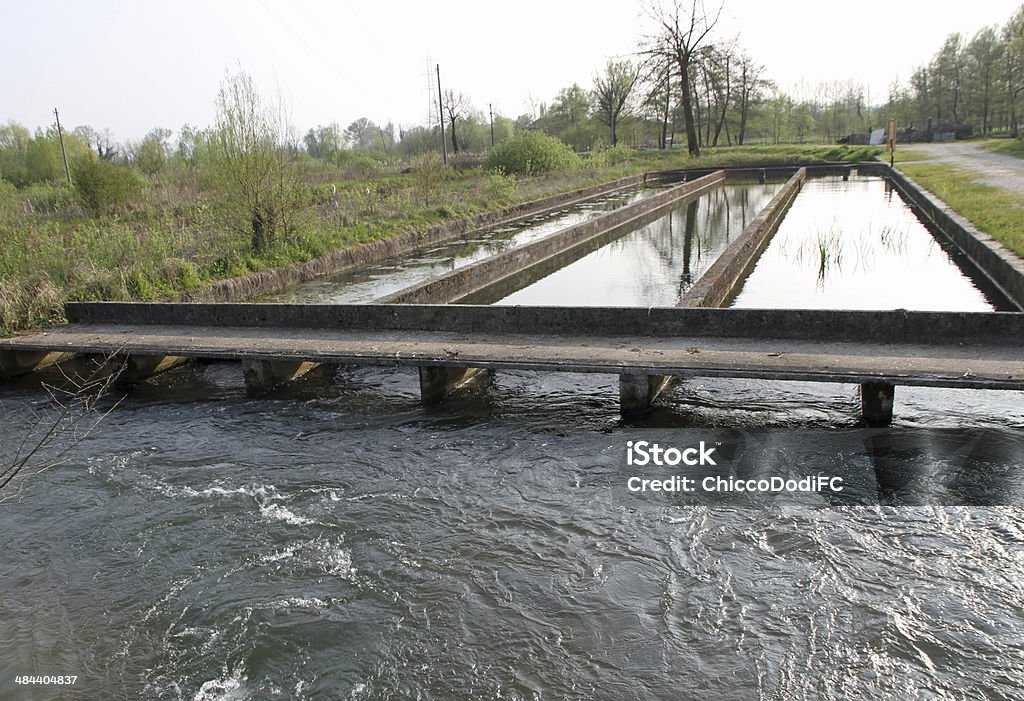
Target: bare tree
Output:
[(612, 94), (454, 107), (49, 431), (657, 77), (751, 85), (682, 28)]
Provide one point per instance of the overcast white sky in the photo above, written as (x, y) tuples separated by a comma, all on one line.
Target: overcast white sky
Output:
[(130, 66)]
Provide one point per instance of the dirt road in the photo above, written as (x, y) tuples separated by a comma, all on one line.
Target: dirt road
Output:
[(991, 168)]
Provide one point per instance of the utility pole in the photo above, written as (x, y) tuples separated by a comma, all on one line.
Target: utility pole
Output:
[(490, 111), (60, 135), (440, 113)]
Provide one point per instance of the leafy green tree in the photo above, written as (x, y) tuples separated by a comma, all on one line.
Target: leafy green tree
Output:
[(364, 135), (102, 142), (568, 115), (1013, 59), (43, 159), (14, 141), (150, 156), (324, 141), (419, 139), (257, 175), (504, 129), (102, 187)]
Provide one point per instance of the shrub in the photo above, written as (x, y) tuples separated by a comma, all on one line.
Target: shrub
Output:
[(618, 153), (102, 187), (499, 187), (258, 177), (428, 170), (44, 197), (533, 153), (8, 197)]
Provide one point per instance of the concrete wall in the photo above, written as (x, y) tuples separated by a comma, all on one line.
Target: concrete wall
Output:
[(721, 282), (502, 269), (900, 326)]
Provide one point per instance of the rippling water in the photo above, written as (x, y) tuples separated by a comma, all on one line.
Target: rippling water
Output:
[(337, 540)]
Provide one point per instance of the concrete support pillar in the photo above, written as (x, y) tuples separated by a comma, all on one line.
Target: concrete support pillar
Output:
[(129, 370), (638, 392), (265, 375), (876, 401), (14, 363), (138, 368), (437, 382)]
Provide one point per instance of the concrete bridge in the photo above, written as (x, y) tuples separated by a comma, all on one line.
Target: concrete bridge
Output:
[(646, 348), (275, 342)]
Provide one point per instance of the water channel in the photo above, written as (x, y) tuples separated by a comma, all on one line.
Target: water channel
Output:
[(337, 540), (365, 284)]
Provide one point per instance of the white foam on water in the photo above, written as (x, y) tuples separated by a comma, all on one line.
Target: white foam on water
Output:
[(276, 512), (228, 688), (300, 602), (334, 559)]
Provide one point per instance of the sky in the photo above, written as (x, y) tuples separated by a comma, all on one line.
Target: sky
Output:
[(132, 66)]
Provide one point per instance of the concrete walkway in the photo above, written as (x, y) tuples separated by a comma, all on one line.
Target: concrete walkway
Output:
[(994, 169)]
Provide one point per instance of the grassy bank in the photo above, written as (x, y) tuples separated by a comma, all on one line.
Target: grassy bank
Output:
[(997, 212), (172, 238), (1008, 147)]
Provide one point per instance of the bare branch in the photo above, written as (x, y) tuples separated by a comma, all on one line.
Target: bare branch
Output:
[(68, 416)]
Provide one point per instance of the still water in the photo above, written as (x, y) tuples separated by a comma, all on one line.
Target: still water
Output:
[(857, 245), (656, 264), (368, 283), (336, 540)]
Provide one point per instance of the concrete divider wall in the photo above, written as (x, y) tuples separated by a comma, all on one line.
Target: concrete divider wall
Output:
[(993, 260), (278, 279), (499, 268), (899, 326), (724, 278)]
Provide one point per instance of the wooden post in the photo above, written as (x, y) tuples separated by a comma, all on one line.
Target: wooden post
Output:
[(60, 135), (440, 114)]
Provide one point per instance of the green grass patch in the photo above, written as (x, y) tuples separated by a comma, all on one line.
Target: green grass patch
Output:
[(997, 212), (1008, 147), (739, 156), (905, 155)]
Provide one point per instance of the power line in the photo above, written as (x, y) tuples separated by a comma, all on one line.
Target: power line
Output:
[(304, 42)]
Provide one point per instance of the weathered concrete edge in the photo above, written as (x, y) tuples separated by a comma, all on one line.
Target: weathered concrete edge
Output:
[(637, 367), (722, 281), (896, 326), (477, 276), (1001, 266), (278, 279)]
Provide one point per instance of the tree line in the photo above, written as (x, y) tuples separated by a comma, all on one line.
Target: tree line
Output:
[(684, 86)]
